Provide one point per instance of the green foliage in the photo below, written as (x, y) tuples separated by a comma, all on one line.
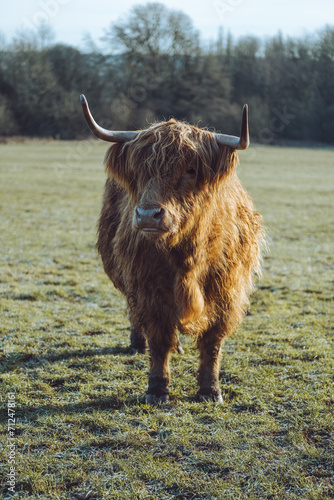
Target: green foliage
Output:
[(153, 66), (82, 428)]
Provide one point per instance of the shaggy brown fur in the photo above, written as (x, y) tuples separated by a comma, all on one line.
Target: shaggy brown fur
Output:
[(196, 275)]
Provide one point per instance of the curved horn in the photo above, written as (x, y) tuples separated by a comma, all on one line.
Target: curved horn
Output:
[(241, 142), (102, 133)]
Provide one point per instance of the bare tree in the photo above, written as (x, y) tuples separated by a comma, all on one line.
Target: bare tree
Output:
[(39, 39), (155, 49), (154, 30)]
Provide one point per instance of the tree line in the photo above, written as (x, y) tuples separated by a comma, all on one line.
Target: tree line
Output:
[(153, 65)]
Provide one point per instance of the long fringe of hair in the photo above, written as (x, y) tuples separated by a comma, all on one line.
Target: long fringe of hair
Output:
[(169, 145)]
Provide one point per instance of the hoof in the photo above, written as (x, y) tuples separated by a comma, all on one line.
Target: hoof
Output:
[(137, 342), (139, 350), (216, 398), (179, 349), (153, 400)]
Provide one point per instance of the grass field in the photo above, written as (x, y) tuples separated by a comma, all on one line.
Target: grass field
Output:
[(82, 430)]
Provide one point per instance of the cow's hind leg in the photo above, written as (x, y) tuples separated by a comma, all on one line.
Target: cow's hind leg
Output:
[(138, 342), (208, 374), (160, 348)]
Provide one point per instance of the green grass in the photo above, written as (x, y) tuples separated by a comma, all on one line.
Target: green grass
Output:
[(82, 429)]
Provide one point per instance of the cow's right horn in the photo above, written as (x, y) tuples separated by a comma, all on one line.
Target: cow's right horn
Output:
[(102, 133)]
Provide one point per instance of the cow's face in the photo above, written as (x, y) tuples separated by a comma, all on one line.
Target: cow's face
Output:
[(170, 172), (164, 202)]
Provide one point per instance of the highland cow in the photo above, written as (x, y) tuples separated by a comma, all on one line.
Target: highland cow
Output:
[(179, 237)]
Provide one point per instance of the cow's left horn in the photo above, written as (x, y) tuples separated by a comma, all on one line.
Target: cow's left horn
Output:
[(102, 133), (241, 142)]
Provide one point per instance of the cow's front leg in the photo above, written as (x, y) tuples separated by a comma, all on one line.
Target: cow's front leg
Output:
[(159, 377), (208, 374)]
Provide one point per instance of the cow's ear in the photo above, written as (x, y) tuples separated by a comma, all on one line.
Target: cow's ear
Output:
[(225, 163), (117, 166)]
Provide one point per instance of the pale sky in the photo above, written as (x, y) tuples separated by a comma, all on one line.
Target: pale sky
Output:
[(70, 19)]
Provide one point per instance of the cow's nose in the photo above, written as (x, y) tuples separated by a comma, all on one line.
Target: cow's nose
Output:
[(149, 217)]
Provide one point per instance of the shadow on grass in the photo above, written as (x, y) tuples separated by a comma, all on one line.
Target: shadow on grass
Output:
[(13, 361), (107, 403)]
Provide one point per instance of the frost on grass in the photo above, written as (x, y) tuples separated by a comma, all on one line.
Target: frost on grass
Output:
[(83, 430)]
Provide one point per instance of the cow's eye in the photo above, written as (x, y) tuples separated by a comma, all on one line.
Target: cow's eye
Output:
[(191, 171)]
